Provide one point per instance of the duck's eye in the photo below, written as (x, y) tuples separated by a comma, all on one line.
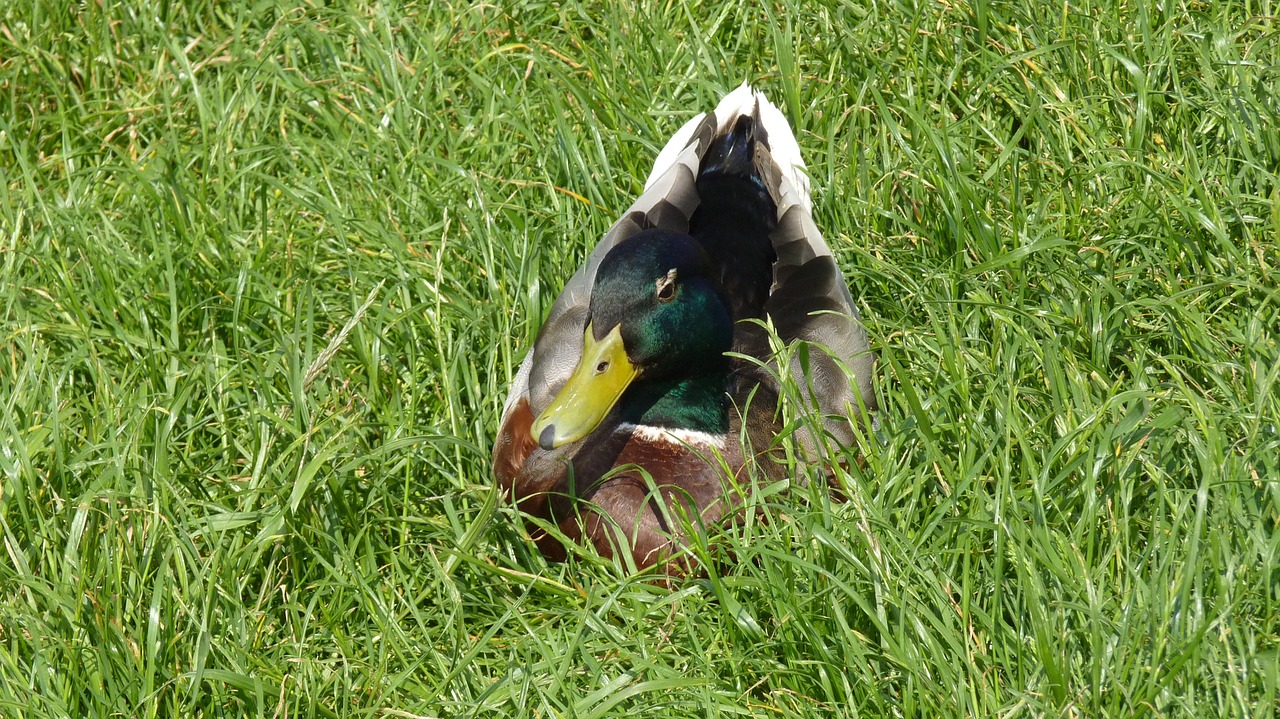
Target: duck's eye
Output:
[(666, 286), (602, 367)]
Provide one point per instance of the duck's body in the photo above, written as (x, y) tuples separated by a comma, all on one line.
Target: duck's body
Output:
[(628, 422)]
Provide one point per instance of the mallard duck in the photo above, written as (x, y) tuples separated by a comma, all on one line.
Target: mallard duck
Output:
[(636, 417)]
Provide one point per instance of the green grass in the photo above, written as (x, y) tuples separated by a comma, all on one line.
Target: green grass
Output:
[(266, 275)]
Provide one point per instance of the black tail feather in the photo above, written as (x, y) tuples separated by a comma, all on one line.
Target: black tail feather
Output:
[(732, 153), (735, 216)]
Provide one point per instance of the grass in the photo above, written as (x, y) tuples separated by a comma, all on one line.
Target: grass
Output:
[(267, 272)]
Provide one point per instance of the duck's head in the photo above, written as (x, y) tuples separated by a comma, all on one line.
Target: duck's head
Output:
[(655, 315)]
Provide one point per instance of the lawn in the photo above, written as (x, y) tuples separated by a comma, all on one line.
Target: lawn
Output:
[(266, 273)]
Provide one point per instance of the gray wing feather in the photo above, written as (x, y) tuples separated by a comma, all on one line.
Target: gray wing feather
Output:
[(814, 305)]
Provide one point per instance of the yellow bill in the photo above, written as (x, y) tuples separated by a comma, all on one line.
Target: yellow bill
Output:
[(602, 375)]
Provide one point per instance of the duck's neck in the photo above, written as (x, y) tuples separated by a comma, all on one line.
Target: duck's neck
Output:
[(697, 403)]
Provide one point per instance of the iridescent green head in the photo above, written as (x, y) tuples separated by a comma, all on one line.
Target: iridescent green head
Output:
[(655, 317)]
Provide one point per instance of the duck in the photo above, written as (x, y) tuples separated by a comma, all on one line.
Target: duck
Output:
[(648, 407)]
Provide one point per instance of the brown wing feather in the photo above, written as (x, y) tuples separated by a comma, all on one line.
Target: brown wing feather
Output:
[(513, 446)]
